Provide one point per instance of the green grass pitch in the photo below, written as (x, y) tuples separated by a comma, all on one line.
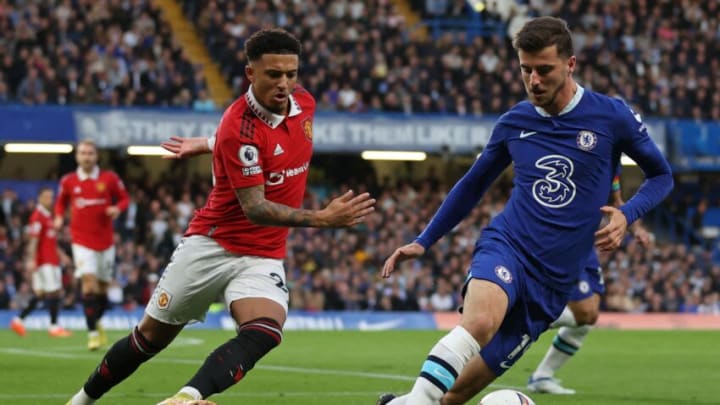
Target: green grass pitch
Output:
[(348, 368)]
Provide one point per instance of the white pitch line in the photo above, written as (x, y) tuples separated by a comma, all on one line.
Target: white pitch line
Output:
[(286, 369)]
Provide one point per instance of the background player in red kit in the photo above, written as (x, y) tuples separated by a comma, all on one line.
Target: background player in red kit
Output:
[(235, 244), (96, 198), (42, 260)]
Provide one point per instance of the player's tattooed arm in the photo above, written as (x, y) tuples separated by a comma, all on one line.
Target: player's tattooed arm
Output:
[(346, 210)]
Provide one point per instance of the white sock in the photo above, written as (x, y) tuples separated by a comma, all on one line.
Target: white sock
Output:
[(445, 362), (81, 398), (193, 392), (401, 400), (566, 343), (567, 318)]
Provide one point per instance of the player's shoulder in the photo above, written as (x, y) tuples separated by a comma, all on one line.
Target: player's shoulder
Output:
[(517, 114), (108, 174), (238, 118), (612, 106), (303, 98), (69, 177)]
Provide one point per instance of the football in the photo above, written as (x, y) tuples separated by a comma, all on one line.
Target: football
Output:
[(506, 397)]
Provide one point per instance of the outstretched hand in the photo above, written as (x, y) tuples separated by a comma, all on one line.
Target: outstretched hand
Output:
[(181, 148), (348, 209), (409, 251), (611, 235)]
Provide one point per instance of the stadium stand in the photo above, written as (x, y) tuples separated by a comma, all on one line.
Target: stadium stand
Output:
[(121, 53), (106, 52)]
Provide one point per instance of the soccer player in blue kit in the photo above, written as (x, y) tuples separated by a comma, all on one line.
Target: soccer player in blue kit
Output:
[(565, 143)]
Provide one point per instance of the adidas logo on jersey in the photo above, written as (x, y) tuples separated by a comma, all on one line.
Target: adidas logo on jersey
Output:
[(278, 150)]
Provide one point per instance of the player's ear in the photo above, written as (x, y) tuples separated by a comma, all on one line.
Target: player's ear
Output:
[(250, 72), (571, 65)]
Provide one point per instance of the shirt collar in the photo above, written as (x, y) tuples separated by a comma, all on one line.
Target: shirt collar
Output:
[(268, 117), (571, 105), (43, 210), (84, 176)]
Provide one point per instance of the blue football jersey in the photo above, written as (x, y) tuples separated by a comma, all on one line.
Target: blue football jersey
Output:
[(563, 170)]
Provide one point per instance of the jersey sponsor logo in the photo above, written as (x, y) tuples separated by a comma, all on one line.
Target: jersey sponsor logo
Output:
[(584, 287), (88, 202), (277, 178), (503, 274), (77, 190), (100, 186), (524, 134), (249, 155), (163, 300), (307, 129), (556, 189), (586, 140), (278, 150)]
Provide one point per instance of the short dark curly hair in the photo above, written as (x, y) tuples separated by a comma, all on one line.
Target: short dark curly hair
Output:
[(271, 41)]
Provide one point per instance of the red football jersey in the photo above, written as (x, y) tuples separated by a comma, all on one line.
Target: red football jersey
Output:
[(89, 197), (253, 146), (41, 228)]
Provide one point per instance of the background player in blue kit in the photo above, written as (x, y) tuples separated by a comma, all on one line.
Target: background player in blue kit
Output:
[(564, 144)]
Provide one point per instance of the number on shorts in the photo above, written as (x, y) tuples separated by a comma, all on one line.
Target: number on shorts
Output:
[(280, 283)]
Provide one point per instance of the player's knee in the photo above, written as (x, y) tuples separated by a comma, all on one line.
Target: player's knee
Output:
[(481, 326), (587, 316), (263, 334)]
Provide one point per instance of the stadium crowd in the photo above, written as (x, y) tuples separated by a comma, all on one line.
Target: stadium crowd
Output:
[(111, 52), (360, 56), (336, 269)]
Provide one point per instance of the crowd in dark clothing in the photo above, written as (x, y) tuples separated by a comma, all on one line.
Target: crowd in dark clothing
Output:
[(111, 52), (362, 56)]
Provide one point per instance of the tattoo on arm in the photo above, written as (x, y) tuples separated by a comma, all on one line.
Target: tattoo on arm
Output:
[(263, 212)]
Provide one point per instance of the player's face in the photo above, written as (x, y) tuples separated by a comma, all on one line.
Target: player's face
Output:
[(46, 198), (545, 74), (273, 78), (86, 157)]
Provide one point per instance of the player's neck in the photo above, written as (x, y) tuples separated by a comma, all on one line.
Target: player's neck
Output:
[(88, 171), (563, 98)]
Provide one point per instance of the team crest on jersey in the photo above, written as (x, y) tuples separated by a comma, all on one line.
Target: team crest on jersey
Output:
[(100, 186), (307, 128), (163, 300), (503, 274), (249, 155), (584, 287), (586, 140)]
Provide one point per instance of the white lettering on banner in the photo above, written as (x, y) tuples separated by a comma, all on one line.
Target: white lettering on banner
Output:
[(313, 323), (330, 133)]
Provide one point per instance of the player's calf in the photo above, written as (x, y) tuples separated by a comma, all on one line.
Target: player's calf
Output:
[(229, 363), (123, 358)]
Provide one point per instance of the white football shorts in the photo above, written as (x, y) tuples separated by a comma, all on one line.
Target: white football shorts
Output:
[(98, 262), (200, 270), (47, 278)]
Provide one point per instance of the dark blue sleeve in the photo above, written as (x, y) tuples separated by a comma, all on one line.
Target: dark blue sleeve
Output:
[(636, 143), (468, 190)]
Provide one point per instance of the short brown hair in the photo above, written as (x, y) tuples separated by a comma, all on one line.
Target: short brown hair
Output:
[(539, 33), (88, 142)]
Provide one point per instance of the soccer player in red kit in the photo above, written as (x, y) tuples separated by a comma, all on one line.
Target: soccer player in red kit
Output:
[(43, 262), (96, 197), (235, 244)]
